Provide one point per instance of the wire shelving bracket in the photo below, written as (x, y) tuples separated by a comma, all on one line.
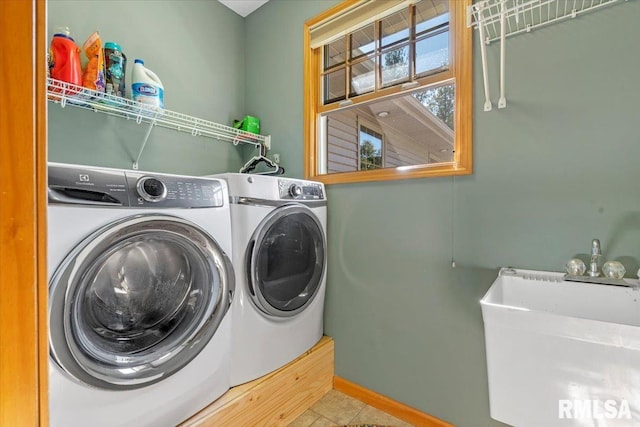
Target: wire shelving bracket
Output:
[(499, 19), (68, 94)]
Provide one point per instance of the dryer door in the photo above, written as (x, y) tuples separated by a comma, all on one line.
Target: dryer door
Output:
[(286, 260), (137, 300)]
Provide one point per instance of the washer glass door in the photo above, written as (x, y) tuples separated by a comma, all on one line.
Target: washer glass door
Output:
[(286, 260), (137, 300)]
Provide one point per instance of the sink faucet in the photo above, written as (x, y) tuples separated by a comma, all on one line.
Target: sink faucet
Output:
[(596, 253)]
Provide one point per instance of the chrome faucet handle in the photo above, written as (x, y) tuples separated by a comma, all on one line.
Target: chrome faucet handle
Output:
[(596, 253)]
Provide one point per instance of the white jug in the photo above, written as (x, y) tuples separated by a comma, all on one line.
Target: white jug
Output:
[(146, 87)]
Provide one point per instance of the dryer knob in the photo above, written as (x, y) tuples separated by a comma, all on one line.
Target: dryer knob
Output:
[(295, 190), (151, 189)]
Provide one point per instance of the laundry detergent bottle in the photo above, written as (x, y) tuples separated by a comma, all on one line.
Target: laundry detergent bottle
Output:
[(64, 57), (146, 87)]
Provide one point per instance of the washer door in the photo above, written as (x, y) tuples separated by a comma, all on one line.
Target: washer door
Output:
[(286, 260), (137, 300)]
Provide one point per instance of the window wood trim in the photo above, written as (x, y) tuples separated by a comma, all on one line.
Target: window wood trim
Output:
[(355, 14), (461, 69)]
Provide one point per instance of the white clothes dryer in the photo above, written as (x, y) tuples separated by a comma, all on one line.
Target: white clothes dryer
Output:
[(279, 255), (140, 286)]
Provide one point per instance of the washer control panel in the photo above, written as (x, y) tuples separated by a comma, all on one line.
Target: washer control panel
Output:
[(300, 190), (173, 191), (71, 184)]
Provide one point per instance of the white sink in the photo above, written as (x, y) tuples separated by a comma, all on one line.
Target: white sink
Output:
[(562, 353)]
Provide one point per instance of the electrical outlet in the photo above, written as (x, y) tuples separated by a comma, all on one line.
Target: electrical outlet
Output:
[(276, 157)]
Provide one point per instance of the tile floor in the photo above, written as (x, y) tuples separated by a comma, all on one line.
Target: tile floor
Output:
[(338, 409)]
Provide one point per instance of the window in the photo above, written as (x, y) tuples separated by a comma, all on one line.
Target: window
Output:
[(371, 145), (388, 91)]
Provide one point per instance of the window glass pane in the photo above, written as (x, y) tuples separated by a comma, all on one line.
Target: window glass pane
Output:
[(432, 34), (395, 66), (363, 78), (342, 138), (417, 129), (431, 24), (362, 41), (432, 53), (370, 149), (334, 53), (440, 101), (431, 14), (395, 28), (334, 86)]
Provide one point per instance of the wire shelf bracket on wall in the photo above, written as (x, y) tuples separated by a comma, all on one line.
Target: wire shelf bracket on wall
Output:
[(68, 94), (499, 19)]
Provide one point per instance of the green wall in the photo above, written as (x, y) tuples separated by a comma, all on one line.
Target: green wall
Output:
[(195, 47), (557, 168)]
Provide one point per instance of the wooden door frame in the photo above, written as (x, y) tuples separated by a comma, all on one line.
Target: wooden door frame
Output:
[(23, 207)]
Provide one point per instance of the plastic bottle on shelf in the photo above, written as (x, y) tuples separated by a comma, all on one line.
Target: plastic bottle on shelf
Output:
[(64, 57), (93, 76), (146, 87), (115, 66)]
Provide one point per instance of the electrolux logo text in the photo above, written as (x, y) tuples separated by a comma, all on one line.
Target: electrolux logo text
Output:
[(593, 409), (85, 180)]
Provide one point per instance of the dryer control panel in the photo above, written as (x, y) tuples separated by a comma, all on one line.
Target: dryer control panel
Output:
[(81, 185), (300, 190)]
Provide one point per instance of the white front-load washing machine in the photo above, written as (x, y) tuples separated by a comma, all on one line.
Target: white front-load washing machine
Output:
[(279, 255), (140, 286)]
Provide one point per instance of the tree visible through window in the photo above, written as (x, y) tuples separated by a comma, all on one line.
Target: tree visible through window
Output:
[(396, 66), (440, 101)]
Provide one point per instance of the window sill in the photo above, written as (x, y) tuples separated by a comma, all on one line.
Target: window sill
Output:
[(393, 174)]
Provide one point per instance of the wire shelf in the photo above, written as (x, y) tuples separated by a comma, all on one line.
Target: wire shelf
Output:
[(64, 94), (499, 19), (526, 15)]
